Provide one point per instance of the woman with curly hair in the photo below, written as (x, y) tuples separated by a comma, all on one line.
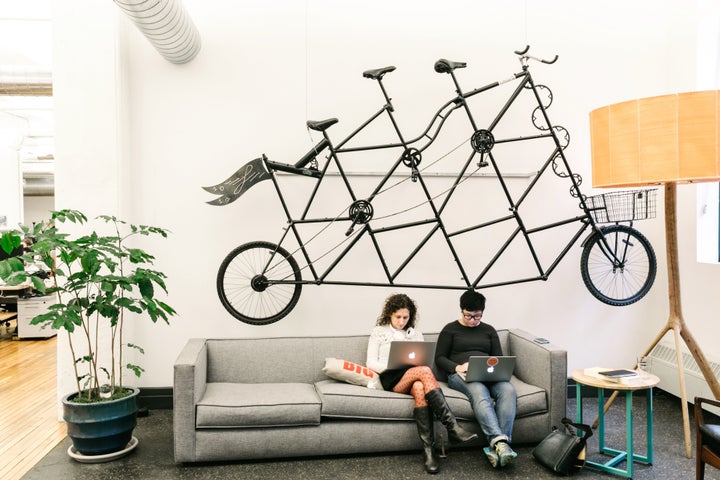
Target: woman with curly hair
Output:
[(397, 323)]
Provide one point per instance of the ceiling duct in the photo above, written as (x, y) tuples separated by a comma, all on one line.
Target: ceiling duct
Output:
[(167, 25), (25, 81)]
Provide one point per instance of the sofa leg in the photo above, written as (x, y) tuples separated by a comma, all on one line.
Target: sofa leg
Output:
[(443, 452)]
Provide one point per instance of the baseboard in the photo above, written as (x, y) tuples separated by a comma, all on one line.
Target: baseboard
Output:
[(156, 398), (587, 392)]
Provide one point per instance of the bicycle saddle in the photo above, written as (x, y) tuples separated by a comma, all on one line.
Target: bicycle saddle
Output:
[(321, 125), (447, 66), (377, 73)]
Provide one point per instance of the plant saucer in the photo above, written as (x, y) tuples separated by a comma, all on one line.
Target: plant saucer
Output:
[(107, 457)]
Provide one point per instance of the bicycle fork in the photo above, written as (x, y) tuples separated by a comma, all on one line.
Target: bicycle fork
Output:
[(616, 254)]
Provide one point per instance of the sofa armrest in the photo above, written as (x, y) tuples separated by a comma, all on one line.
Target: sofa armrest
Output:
[(542, 365), (189, 382)]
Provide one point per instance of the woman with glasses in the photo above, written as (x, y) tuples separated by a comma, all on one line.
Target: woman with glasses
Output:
[(494, 404), (397, 323)]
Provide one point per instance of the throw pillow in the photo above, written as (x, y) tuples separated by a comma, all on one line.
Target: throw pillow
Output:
[(350, 372)]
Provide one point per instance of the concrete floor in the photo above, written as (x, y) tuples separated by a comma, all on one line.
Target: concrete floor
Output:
[(153, 458)]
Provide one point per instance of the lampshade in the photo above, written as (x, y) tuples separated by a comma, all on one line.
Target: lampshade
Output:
[(670, 138)]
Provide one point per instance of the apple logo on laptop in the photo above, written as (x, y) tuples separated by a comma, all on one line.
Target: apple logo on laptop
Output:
[(491, 362), (411, 355)]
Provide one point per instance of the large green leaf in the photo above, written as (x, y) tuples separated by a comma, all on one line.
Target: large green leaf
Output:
[(9, 241)]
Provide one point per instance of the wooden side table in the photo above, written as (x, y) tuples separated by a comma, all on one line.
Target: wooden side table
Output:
[(644, 381)]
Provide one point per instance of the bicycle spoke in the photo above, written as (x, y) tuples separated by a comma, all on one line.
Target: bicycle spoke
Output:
[(251, 283), (618, 265)]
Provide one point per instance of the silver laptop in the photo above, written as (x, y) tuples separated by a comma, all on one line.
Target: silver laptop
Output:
[(411, 353), (490, 369)]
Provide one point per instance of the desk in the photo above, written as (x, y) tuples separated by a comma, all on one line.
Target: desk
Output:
[(8, 299), (26, 308), (645, 381), (14, 290)]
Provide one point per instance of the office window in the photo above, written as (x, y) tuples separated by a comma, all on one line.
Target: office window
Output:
[(708, 222)]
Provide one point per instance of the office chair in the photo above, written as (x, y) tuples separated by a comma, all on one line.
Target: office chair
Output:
[(707, 443)]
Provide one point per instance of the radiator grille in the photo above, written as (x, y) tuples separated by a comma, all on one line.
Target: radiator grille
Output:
[(666, 353), (662, 362)]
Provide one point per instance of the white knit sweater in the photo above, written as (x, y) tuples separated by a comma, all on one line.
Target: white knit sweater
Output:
[(379, 344)]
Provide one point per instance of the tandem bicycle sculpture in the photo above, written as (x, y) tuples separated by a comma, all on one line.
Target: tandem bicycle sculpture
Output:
[(260, 282)]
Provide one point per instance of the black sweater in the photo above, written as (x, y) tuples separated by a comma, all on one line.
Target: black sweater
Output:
[(457, 343)]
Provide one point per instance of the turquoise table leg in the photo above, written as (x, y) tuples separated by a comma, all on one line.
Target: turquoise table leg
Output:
[(601, 419), (649, 422), (629, 456), (648, 457), (578, 402)]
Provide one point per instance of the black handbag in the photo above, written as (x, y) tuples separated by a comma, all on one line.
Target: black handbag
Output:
[(563, 451)]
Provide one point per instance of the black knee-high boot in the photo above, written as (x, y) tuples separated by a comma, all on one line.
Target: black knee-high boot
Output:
[(439, 406), (424, 420)]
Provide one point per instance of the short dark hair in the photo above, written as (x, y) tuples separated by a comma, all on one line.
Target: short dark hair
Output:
[(472, 301), (394, 303)]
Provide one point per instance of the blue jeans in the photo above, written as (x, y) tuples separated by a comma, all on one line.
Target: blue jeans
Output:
[(494, 405)]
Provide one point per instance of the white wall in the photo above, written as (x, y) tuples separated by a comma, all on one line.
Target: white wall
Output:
[(10, 183), (138, 137)]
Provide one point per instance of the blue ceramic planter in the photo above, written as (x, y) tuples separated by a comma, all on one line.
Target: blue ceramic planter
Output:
[(103, 427)]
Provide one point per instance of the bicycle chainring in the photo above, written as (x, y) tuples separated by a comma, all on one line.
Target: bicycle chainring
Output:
[(361, 212), (562, 135), (482, 141), (545, 96), (411, 157)]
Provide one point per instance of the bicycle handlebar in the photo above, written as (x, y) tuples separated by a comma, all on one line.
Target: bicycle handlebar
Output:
[(523, 56)]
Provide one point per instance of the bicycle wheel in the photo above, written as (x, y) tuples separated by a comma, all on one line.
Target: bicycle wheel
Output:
[(620, 270), (259, 283)]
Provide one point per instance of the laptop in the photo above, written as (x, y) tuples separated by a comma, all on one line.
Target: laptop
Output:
[(490, 369), (411, 353)]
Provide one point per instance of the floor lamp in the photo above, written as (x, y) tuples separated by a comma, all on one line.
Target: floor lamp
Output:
[(662, 140)]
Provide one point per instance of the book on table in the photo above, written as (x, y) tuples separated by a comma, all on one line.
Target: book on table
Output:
[(618, 373)]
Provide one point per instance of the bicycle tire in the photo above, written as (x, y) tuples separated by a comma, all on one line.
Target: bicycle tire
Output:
[(246, 292), (618, 284)]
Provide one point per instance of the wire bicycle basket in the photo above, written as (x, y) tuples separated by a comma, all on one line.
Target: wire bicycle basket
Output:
[(623, 206)]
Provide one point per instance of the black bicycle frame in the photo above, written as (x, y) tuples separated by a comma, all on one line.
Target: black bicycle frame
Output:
[(422, 142)]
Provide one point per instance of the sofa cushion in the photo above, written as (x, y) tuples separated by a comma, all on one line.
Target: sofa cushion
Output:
[(531, 399), (343, 400), (232, 405)]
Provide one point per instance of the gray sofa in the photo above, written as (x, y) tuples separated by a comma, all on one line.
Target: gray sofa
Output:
[(240, 399)]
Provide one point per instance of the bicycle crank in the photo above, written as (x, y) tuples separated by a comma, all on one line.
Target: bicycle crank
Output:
[(360, 212), (411, 158), (482, 142)]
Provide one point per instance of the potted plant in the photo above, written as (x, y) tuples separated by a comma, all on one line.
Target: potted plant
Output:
[(101, 281)]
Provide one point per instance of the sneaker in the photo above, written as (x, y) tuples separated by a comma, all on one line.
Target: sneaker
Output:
[(492, 456), (504, 453)]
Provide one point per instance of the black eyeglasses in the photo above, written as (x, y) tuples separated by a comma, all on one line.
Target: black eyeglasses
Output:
[(469, 316)]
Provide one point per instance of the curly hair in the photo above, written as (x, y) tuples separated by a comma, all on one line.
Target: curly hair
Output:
[(394, 303)]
